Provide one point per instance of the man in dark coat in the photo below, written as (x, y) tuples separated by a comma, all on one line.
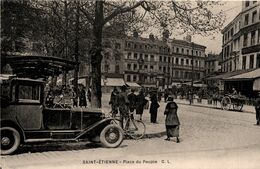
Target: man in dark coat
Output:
[(172, 122), (140, 103), (132, 102), (123, 104), (154, 108), (113, 102), (257, 109), (82, 97)]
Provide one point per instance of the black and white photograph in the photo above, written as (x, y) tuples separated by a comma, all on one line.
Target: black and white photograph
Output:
[(142, 84)]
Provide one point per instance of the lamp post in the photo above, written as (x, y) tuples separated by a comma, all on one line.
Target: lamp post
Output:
[(192, 73)]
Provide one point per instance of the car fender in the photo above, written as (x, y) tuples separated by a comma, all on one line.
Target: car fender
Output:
[(104, 122)]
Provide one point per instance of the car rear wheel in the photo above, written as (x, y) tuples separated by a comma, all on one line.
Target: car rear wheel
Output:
[(10, 140), (111, 136)]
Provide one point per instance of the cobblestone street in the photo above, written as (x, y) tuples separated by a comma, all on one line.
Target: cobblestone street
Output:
[(210, 138)]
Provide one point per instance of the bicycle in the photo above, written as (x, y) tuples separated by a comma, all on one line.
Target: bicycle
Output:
[(131, 127)]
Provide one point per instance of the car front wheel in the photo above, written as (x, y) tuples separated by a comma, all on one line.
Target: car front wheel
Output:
[(111, 136), (10, 140)]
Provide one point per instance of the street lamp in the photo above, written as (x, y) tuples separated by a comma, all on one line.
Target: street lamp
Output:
[(192, 70)]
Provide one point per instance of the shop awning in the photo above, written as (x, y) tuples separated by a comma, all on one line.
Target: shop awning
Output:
[(245, 76), (112, 82), (227, 75), (132, 84)]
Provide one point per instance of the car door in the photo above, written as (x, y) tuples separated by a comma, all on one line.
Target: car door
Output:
[(28, 100)]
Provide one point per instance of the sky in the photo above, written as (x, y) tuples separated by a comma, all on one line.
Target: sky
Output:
[(214, 43)]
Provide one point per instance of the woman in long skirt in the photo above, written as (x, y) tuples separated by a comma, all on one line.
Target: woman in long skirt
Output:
[(172, 122)]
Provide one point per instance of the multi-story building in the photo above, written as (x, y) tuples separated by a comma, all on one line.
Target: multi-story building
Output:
[(241, 39), (151, 62), (212, 64), (187, 60)]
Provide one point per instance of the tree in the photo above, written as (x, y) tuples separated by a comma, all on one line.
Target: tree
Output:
[(193, 17)]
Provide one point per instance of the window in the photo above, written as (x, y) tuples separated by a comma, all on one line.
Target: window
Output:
[(152, 58), (244, 62), (160, 59), (165, 59), (135, 55), (164, 69), (246, 19), (245, 40), (177, 61), (106, 68), (188, 52), (247, 3), (182, 61), (177, 74), (254, 15), (253, 38), (151, 67), (135, 66), (160, 68), (140, 67), (135, 46), (140, 56), (29, 93), (145, 67), (117, 69), (177, 50), (196, 53), (258, 36), (128, 78), (182, 51), (251, 63), (232, 32), (146, 57), (129, 66), (258, 61), (129, 55), (134, 78), (169, 60)]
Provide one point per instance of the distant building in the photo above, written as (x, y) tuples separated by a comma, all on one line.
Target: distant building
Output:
[(212, 64), (151, 62), (241, 39)]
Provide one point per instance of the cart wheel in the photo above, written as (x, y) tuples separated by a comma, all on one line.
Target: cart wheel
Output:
[(10, 140), (111, 136), (238, 106), (226, 103)]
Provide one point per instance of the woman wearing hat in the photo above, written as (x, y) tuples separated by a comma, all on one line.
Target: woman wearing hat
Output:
[(172, 122)]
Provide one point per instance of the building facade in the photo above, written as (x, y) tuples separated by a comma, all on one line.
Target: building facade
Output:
[(151, 62), (212, 64), (241, 39)]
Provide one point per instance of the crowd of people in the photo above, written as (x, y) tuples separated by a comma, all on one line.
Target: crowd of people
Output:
[(127, 103)]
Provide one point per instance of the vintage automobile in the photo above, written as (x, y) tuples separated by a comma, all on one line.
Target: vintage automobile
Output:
[(25, 119)]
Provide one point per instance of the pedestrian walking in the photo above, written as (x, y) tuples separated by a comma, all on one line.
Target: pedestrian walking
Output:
[(172, 122), (82, 97), (89, 95), (132, 102), (154, 108), (257, 109), (166, 94), (74, 98), (140, 103), (113, 102), (123, 104)]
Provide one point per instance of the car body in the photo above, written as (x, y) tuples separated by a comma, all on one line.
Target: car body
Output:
[(26, 119)]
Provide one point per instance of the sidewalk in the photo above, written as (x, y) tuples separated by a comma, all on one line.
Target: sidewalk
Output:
[(245, 109)]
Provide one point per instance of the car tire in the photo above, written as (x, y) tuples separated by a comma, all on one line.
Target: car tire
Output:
[(10, 140), (111, 136)]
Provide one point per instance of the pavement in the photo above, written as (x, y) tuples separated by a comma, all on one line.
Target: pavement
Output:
[(154, 130)]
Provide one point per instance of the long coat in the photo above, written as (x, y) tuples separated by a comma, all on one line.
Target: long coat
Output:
[(140, 103), (132, 101), (171, 114)]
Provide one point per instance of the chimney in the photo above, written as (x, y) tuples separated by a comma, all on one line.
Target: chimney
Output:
[(151, 37), (135, 34), (166, 35), (187, 38)]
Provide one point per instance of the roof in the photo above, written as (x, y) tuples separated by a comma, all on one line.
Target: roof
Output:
[(245, 76), (113, 82)]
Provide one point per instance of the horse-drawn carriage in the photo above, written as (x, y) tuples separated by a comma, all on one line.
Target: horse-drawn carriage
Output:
[(230, 101)]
